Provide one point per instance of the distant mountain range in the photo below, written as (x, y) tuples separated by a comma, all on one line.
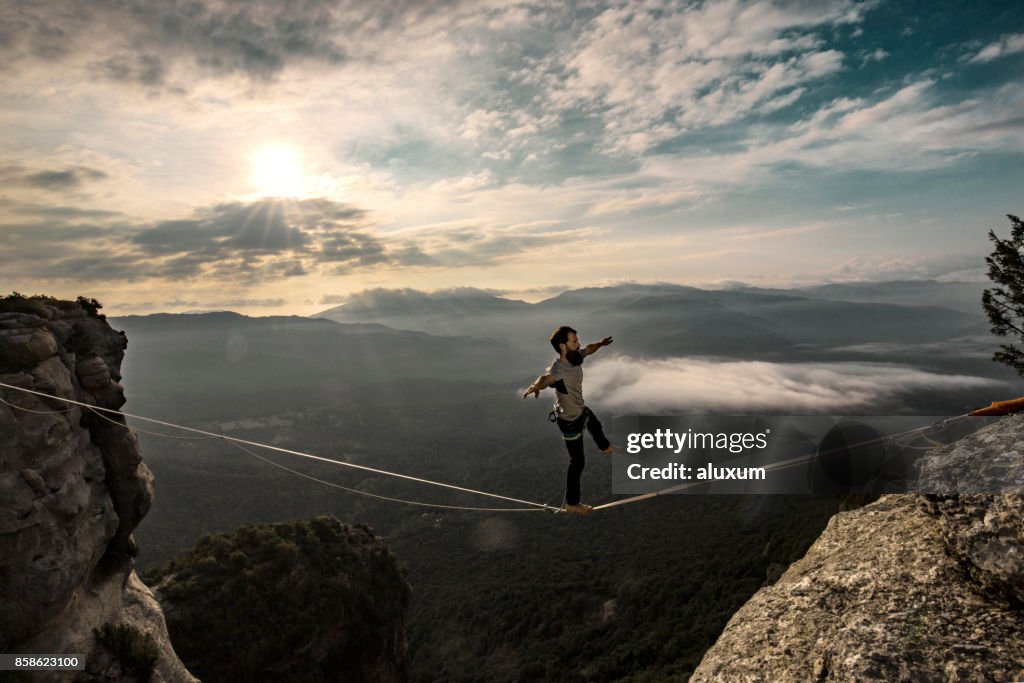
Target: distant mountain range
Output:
[(665, 320), (382, 337)]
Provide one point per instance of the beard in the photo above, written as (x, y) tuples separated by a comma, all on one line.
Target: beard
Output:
[(574, 357)]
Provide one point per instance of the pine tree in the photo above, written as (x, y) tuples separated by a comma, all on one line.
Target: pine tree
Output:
[(1004, 303)]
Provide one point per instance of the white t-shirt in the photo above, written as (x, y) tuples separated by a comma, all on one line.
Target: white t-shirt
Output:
[(568, 387)]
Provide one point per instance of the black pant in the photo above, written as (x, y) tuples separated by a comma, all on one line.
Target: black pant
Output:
[(572, 432)]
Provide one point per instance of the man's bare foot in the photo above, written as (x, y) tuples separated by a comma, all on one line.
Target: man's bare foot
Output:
[(612, 449), (579, 509)]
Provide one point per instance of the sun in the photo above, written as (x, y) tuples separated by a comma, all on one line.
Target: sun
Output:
[(276, 171)]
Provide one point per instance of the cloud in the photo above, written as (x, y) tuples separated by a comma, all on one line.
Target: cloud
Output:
[(53, 180), (876, 56), (225, 228), (259, 241), (480, 123), (249, 303), (345, 247), (742, 234), (44, 243), (473, 244), (535, 293), (145, 70), (1009, 126), (88, 265), (910, 129), (404, 299), (61, 212), (684, 384), (264, 226), (918, 267), (469, 95), (240, 241), (640, 199), (173, 44), (1007, 45), (256, 39), (658, 71)]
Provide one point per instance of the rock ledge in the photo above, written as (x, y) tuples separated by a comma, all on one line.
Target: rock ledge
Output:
[(73, 487), (908, 588)]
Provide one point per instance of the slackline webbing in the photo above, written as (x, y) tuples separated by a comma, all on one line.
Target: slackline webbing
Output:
[(534, 507)]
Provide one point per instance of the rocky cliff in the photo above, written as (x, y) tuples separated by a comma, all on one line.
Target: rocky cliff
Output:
[(908, 588), (73, 487)]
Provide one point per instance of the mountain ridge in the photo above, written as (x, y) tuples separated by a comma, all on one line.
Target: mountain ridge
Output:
[(674, 320)]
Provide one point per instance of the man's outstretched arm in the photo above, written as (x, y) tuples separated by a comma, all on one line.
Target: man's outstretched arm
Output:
[(542, 382), (592, 348)]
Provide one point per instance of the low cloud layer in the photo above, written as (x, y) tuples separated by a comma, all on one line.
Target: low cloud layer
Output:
[(405, 300), (684, 384), (914, 267)]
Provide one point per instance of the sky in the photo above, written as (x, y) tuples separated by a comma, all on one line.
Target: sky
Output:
[(275, 157)]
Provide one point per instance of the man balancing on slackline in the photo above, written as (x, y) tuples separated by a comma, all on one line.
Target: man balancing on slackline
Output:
[(573, 417)]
